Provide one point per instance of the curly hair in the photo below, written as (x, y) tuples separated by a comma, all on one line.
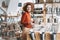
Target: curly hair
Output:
[(26, 4)]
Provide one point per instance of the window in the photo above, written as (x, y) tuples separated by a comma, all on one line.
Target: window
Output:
[(49, 10), (1, 20), (59, 12), (1, 11), (19, 4), (55, 21), (48, 20), (56, 10), (56, 0)]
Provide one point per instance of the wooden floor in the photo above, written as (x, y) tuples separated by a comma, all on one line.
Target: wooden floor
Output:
[(58, 36)]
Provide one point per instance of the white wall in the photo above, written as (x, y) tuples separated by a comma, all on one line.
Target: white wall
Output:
[(1, 2), (7, 2), (13, 6), (24, 1)]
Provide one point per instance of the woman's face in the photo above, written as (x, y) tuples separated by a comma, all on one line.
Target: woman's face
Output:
[(29, 8)]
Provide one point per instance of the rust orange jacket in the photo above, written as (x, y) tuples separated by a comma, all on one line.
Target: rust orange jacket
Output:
[(26, 20)]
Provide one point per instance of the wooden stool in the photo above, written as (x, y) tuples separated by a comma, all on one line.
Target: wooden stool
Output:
[(58, 36), (37, 36), (47, 36)]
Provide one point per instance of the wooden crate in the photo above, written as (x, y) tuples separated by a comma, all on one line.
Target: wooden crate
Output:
[(47, 36), (37, 36), (58, 36)]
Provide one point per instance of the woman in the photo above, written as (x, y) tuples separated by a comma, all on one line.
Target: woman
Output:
[(26, 19)]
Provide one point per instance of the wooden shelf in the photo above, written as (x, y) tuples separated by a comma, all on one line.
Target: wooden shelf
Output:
[(47, 2), (8, 16), (12, 16)]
